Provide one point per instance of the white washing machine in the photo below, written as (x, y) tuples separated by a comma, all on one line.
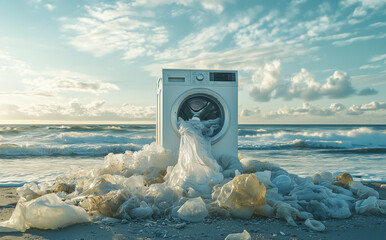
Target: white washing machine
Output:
[(203, 94)]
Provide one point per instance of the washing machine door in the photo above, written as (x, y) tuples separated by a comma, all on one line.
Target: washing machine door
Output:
[(206, 106)]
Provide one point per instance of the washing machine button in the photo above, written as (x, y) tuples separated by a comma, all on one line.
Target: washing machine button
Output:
[(200, 76)]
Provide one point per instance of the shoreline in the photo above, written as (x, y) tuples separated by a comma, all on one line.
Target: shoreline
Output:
[(355, 227)]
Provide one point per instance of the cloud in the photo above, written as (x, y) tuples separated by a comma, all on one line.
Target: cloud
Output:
[(352, 40), (49, 82), (363, 6), (250, 112), (338, 86), (74, 110), (368, 92), (267, 84), (268, 78), (117, 27), (9, 63), (378, 24), (361, 109), (369, 66), (68, 81), (378, 58), (305, 110), (216, 6), (49, 6)]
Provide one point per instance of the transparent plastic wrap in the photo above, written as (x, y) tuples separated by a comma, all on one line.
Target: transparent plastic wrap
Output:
[(242, 196), (239, 236), (193, 210), (196, 168), (45, 212)]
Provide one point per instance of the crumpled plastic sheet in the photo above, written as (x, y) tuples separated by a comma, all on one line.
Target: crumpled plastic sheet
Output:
[(45, 212), (239, 236), (196, 168), (242, 196), (154, 183), (193, 210)]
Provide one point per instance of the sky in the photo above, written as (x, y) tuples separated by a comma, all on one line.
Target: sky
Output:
[(299, 61)]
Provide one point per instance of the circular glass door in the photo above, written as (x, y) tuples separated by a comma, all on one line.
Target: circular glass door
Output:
[(204, 108)]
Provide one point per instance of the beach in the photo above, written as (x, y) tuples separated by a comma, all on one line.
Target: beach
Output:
[(357, 227)]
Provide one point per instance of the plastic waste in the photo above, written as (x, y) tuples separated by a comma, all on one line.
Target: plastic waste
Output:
[(369, 206), (196, 167), (32, 190), (319, 177), (229, 165), (193, 210), (283, 183), (361, 191), (239, 236), (45, 212), (265, 178), (342, 180), (315, 225), (143, 211), (242, 196), (290, 214)]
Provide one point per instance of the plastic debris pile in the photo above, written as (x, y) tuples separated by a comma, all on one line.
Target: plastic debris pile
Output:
[(152, 183)]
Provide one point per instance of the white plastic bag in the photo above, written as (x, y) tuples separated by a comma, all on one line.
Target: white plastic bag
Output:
[(196, 168), (46, 212), (193, 210)]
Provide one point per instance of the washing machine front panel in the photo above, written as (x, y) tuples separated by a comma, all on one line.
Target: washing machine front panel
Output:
[(204, 94)]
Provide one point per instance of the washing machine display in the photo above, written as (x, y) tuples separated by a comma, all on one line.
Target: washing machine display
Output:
[(206, 95)]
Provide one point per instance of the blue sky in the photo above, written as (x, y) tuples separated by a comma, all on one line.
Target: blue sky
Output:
[(299, 61)]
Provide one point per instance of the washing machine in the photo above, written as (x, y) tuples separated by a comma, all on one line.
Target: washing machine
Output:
[(198, 94)]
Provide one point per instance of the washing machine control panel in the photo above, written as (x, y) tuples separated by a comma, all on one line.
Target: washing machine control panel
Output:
[(199, 77)]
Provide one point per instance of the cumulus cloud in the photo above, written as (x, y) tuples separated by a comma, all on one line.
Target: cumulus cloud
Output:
[(306, 109), (361, 109), (368, 92), (337, 86), (268, 78), (267, 84), (75, 110)]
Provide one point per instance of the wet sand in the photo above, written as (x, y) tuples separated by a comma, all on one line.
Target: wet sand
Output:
[(356, 227)]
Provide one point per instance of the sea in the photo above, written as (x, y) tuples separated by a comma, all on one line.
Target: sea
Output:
[(41, 153)]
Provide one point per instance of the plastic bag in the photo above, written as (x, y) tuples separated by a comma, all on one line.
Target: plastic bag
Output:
[(46, 212), (242, 196), (193, 210), (239, 236), (196, 167)]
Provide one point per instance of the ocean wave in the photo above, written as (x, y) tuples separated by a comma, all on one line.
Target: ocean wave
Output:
[(251, 132), (93, 138), (86, 128), (295, 144), (362, 137), (16, 129), (20, 151)]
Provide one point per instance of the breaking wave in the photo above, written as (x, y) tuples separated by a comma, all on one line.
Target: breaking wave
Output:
[(20, 151), (362, 138), (92, 138)]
